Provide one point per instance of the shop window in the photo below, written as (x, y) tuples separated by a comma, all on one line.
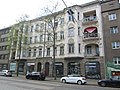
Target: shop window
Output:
[(92, 70)]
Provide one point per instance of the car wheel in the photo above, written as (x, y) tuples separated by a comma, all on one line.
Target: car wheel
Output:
[(63, 81), (79, 82), (5, 75), (27, 77), (103, 84)]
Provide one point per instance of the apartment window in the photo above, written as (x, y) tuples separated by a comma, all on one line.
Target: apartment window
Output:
[(55, 36), (37, 27), (30, 40), (49, 25), (26, 28), (42, 26), (62, 50), (78, 16), (56, 23), (61, 35), (24, 53), (78, 31), (113, 29), (29, 53), (115, 45), (71, 18), (61, 21), (116, 60), (32, 27), (40, 52), (89, 50), (41, 38), (55, 51), (112, 16), (71, 32), (48, 51), (71, 48), (79, 47), (34, 53), (48, 37), (6, 56), (35, 39)]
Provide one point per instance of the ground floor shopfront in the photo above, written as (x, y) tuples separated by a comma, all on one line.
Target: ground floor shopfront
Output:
[(91, 68)]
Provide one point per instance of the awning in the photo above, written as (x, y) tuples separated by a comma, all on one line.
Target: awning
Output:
[(90, 29)]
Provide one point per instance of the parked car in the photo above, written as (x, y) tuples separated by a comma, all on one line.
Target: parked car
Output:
[(36, 76), (109, 82), (74, 79), (6, 73)]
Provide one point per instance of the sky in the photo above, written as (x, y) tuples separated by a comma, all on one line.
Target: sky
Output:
[(12, 10)]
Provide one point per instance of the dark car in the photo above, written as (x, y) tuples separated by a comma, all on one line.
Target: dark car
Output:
[(109, 82), (36, 76)]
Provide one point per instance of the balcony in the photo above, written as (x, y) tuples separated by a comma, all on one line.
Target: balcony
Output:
[(89, 20), (92, 55), (90, 36)]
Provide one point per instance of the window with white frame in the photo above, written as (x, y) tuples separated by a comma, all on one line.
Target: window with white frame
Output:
[(37, 27), (56, 23), (40, 52), (61, 22), (34, 53), (78, 31), (56, 36), (49, 25), (42, 26), (41, 38), (49, 37), (30, 40), (71, 32), (78, 15), (113, 29), (62, 50), (55, 51), (35, 40), (24, 53), (61, 35), (71, 48), (116, 60), (48, 51), (115, 45), (79, 48), (112, 16), (71, 18), (29, 53), (32, 27)]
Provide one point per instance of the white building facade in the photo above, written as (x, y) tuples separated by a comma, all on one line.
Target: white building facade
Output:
[(78, 43)]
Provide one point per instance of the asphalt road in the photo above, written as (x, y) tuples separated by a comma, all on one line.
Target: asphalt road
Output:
[(14, 83)]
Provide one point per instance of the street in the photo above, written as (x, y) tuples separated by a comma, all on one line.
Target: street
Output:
[(16, 83)]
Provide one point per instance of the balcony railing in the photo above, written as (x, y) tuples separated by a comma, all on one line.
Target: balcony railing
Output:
[(91, 55), (90, 19), (90, 36)]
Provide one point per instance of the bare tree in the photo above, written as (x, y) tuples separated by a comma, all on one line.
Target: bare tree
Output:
[(51, 19)]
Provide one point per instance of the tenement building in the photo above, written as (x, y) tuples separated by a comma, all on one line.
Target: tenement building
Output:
[(74, 40), (80, 39), (4, 48), (111, 33)]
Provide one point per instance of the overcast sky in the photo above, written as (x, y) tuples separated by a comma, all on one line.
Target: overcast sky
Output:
[(12, 10)]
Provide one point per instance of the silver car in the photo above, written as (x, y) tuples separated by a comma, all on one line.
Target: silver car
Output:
[(6, 73), (74, 79)]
